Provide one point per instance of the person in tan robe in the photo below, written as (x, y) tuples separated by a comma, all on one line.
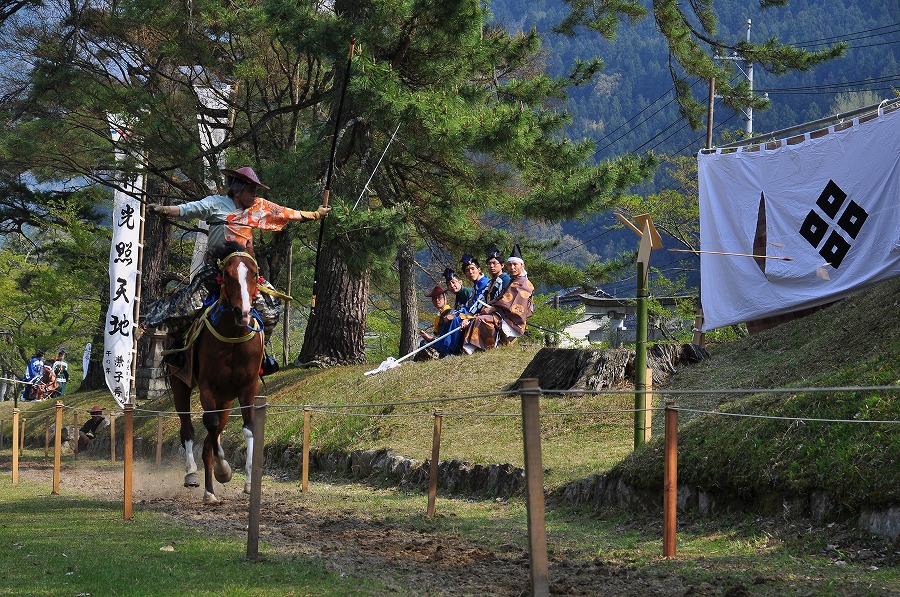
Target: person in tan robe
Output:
[(504, 318)]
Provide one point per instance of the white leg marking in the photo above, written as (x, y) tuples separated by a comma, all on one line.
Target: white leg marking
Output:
[(248, 435), (189, 466)]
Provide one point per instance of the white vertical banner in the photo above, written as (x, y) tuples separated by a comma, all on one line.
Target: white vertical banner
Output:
[(119, 346), (831, 204), (212, 120)]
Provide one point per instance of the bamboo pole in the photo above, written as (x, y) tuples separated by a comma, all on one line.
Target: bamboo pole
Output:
[(57, 451), (698, 252), (670, 480), (15, 446), (259, 439), (534, 481), (159, 437), (435, 461), (304, 479), (112, 437), (128, 450), (640, 357), (648, 404)]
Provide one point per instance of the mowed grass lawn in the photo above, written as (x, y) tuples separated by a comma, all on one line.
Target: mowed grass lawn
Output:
[(76, 545)]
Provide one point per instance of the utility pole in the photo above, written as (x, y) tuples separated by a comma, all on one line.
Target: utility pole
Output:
[(746, 68)]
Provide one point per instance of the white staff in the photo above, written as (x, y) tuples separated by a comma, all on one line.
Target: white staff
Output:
[(391, 362)]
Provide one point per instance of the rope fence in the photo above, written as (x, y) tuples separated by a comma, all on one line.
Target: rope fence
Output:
[(531, 413)]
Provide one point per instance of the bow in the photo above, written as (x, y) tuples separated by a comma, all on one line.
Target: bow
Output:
[(337, 128)]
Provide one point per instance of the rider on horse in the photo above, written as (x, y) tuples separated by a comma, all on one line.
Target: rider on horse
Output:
[(231, 218)]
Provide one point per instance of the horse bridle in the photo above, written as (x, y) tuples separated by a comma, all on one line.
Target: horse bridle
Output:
[(206, 320)]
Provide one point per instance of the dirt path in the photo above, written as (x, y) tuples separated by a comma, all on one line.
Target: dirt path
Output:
[(405, 559), (408, 560)]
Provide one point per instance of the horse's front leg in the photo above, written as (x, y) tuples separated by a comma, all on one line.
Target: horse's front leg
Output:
[(181, 397), (213, 455)]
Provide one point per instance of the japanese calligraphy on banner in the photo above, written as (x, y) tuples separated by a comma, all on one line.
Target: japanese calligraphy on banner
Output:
[(119, 345), (212, 120), (830, 203)]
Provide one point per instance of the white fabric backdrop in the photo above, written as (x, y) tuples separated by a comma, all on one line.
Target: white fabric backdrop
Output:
[(806, 212)]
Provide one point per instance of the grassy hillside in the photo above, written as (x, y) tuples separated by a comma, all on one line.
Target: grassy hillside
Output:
[(853, 343), (856, 342)]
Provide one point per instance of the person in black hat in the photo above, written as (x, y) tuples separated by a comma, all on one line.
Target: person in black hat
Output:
[(499, 278), (480, 284), (91, 426), (231, 218), (461, 293), (503, 320)]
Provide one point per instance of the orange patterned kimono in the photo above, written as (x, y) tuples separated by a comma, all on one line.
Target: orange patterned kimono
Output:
[(512, 309), (264, 215)]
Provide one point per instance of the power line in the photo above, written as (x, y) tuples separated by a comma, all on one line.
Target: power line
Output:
[(848, 36)]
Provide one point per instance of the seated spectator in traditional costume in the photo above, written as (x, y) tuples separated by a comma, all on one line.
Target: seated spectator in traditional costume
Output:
[(499, 278), (45, 386), (461, 294), (448, 345), (91, 427), (61, 370), (480, 284), (503, 320), (33, 373)]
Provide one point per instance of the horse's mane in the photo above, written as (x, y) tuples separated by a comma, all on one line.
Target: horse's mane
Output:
[(231, 247)]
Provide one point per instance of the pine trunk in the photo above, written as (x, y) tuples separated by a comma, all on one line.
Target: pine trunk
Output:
[(335, 335), (409, 304)]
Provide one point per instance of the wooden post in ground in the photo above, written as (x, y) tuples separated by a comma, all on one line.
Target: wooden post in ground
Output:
[(22, 436), (304, 476), (112, 437), (648, 404), (15, 447), (435, 461), (259, 440), (47, 437), (534, 490), (159, 441), (57, 451), (128, 454), (670, 480), (77, 432), (2, 431)]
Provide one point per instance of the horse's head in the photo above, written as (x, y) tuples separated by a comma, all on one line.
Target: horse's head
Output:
[(240, 277)]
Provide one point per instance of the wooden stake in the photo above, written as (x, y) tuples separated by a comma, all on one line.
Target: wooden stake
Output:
[(435, 461), (22, 437), (112, 437), (77, 432), (57, 451), (534, 482), (259, 440), (670, 481), (304, 482), (2, 427), (15, 447), (47, 437), (158, 441), (696, 252), (128, 454)]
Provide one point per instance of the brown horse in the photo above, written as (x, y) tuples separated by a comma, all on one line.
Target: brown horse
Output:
[(226, 356)]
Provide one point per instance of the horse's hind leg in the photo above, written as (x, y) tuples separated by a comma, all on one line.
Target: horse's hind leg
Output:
[(181, 396)]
